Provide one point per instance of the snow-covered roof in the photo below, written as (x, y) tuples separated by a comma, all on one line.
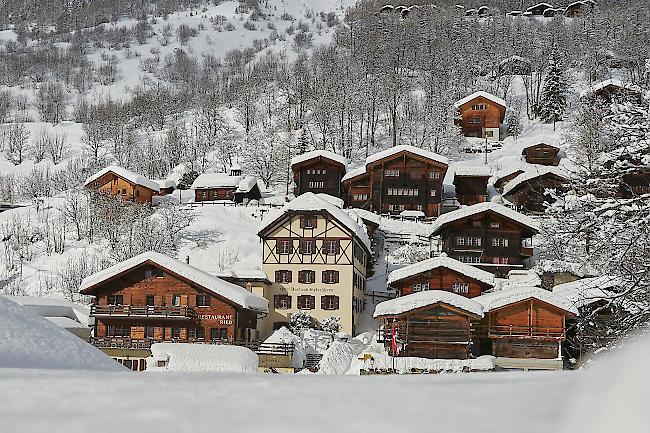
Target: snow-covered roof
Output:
[(501, 298), (128, 175), (472, 170), (539, 5), (541, 143), (354, 173), (508, 171), (407, 303), (244, 275), (589, 290), (440, 262), (66, 322), (406, 148), (530, 175), (581, 270), (216, 285), (409, 213), (478, 94), (479, 208), (310, 202), (365, 215), (319, 154), (330, 198), (610, 82), (246, 184), (224, 180), (53, 307)]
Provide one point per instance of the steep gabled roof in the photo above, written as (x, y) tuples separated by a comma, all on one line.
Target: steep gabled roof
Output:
[(503, 298), (480, 208), (224, 289), (404, 304), (391, 151), (310, 202), (530, 175), (614, 82), (125, 174), (479, 94), (359, 171), (530, 146), (441, 262), (314, 154)]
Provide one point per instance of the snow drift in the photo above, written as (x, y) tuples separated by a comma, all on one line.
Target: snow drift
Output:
[(202, 357)]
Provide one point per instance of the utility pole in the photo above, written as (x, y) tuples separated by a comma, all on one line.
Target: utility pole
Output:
[(486, 149)]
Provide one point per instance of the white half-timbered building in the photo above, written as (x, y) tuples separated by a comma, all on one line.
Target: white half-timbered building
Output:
[(316, 256)]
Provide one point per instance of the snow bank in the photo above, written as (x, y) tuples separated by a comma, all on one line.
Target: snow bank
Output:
[(495, 300), (337, 358), (53, 307), (202, 357), (129, 175), (405, 364), (30, 341), (407, 303), (284, 336), (441, 262), (222, 288)]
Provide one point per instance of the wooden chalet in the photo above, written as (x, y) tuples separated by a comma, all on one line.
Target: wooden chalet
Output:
[(319, 171), (524, 322), (222, 186), (471, 184), (539, 9), (441, 273), (635, 183), (481, 115), (542, 154), (486, 235), (612, 90), (550, 12), (579, 9), (528, 191), (398, 179), (502, 177), (154, 298), (124, 184), (432, 324), (514, 65)]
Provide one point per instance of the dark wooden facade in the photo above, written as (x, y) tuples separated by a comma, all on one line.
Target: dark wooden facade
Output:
[(401, 181), (530, 196), (527, 329), (539, 9), (579, 9), (488, 241), (479, 114), (542, 154), (444, 279), (227, 193), (319, 175), (437, 331), (148, 304), (471, 189)]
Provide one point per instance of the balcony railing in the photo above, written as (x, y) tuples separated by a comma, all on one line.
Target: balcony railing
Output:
[(261, 348), (506, 331), (155, 312)]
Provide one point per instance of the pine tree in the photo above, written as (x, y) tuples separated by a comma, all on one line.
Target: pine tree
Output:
[(303, 142), (552, 105), (514, 126)]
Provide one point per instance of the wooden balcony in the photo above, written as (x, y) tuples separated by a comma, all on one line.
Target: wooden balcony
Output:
[(151, 312), (284, 349), (534, 332)]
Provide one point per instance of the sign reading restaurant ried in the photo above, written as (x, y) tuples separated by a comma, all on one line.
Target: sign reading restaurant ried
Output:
[(224, 319)]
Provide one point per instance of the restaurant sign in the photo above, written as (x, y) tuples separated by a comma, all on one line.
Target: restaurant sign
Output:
[(223, 319)]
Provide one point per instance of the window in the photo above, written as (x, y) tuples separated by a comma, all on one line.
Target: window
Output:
[(331, 247), (317, 184), (284, 246), (421, 286), (433, 193), (283, 276), (489, 133), (176, 300), (118, 331), (153, 272), (306, 302), (435, 174), (329, 302), (148, 332), (330, 277), (218, 333), (469, 259), (151, 300), (479, 107), (307, 277), (359, 197), (308, 222), (191, 333), (203, 194), (176, 332), (202, 300), (418, 207), (495, 225), (477, 224), (460, 288), (307, 246), (504, 260), (124, 191), (200, 333), (475, 120), (282, 302), (391, 173), (115, 300), (500, 242), (460, 241), (416, 175)]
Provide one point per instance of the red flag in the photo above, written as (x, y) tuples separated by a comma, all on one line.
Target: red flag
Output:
[(394, 340)]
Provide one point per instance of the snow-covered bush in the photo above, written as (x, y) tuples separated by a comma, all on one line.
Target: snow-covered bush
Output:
[(300, 321), (331, 324)]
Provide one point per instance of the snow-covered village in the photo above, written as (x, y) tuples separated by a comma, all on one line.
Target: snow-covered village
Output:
[(308, 214)]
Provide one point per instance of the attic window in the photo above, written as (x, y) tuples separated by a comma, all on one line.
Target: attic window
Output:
[(476, 223), (495, 225), (308, 222)]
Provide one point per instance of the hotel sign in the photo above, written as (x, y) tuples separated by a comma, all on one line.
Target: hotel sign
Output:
[(223, 319)]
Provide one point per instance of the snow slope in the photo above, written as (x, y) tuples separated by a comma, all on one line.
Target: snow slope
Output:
[(29, 341)]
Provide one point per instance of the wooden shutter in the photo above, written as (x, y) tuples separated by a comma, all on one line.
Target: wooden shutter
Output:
[(301, 276), (324, 277), (290, 275), (338, 247), (184, 300), (336, 276), (335, 303), (276, 300), (278, 244), (277, 276)]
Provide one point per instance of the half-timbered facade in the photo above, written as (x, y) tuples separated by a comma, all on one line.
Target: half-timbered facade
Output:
[(525, 322), (124, 184), (481, 115), (318, 171), (317, 257), (432, 324), (471, 184), (486, 235), (542, 154), (154, 298), (440, 273), (529, 192), (400, 178)]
